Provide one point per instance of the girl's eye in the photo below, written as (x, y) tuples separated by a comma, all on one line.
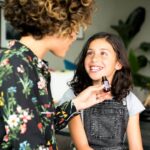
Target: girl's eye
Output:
[(89, 53), (103, 53)]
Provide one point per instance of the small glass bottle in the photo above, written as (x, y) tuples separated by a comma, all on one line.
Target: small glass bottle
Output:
[(106, 84)]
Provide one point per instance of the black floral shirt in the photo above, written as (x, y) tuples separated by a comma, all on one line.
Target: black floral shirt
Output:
[(28, 119)]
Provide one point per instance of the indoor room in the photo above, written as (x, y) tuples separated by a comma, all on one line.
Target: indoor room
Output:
[(130, 20)]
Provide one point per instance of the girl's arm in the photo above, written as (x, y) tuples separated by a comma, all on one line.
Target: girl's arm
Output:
[(134, 133), (78, 134)]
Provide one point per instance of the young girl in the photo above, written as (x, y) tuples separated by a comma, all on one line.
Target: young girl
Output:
[(105, 124)]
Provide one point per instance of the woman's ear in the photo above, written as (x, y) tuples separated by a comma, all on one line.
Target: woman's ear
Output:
[(118, 66)]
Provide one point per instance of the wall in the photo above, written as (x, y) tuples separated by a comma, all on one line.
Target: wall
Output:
[(108, 13)]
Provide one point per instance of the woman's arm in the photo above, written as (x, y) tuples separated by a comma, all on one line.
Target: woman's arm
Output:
[(78, 134), (88, 97), (134, 133)]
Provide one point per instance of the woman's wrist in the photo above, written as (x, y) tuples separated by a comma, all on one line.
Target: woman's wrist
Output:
[(77, 104)]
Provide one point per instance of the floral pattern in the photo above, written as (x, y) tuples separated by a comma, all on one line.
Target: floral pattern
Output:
[(27, 113)]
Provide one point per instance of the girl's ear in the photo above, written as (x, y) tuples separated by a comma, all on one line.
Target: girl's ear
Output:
[(118, 66)]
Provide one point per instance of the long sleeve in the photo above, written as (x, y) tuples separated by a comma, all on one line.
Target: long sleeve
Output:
[(65, 110), (64, 113)]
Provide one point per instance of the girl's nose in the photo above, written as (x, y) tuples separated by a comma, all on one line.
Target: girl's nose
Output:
[(95, 58)]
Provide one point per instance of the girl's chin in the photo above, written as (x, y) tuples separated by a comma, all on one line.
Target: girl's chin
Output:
[(96, 77), (61, 55)]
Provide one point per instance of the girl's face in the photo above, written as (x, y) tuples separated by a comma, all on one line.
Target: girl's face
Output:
[(101, 60)]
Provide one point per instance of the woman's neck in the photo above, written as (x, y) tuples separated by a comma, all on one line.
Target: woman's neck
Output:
[(38, 47)]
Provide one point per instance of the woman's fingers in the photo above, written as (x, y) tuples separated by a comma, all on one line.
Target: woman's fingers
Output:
[(90, 96)]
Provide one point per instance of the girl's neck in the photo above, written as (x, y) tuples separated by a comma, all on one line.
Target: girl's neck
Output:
[(98, 82)]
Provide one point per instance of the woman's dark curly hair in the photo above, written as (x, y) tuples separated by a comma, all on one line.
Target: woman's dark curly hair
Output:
[(48, 17), (122, 80)]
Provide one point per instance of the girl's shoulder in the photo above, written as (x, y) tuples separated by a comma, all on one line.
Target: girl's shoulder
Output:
[(134, 104), (67, 96)]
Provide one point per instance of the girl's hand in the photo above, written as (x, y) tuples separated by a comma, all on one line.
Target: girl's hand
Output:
[(90, 96)]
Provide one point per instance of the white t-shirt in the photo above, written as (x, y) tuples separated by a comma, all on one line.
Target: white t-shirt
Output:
[(134, 105)]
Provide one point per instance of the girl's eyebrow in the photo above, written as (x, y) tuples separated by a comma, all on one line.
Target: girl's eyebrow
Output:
[(105, 49)]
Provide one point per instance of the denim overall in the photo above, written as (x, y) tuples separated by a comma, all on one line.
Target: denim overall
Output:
[(105, 125)]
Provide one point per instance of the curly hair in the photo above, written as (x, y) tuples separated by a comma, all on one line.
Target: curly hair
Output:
[(48, 17), (122, 80)]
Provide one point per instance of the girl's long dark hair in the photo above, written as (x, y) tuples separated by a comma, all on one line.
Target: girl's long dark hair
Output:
[(122, 80)]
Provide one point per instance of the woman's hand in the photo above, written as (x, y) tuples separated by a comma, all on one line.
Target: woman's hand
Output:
[(90, 96)]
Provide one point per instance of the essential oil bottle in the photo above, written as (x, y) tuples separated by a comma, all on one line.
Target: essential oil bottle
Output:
[(106, 84)]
